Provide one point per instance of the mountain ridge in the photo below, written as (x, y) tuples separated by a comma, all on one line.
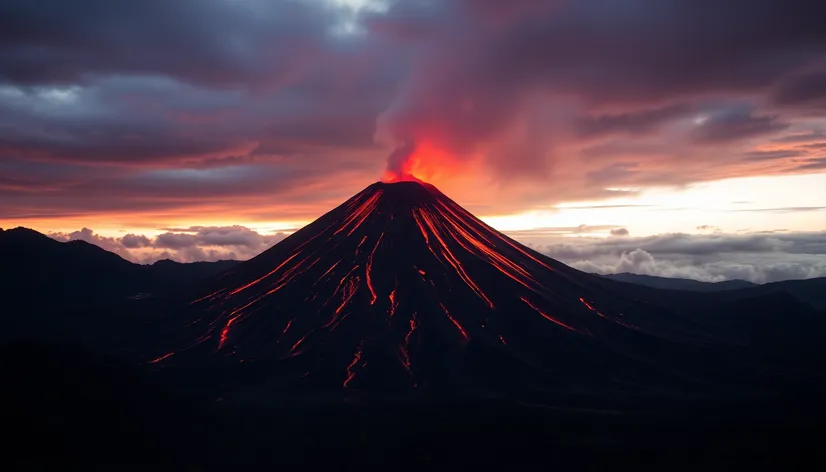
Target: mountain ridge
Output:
[(677, 283), (399, 289)]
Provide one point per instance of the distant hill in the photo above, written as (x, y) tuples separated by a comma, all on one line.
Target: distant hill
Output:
[(680, 284), (39, 276), (31, 262), (169, 273), (810, 291)]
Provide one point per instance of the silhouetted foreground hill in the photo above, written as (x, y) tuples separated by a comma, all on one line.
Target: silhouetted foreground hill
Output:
[(811, 291), (65, 406)]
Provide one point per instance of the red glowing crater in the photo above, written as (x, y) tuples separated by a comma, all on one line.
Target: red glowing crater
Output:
[(417, 162)]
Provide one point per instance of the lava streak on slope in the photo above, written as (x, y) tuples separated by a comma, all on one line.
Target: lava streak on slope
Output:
[(350, 374), (546, 316), (450, 258), (369, 268), (306, 302)]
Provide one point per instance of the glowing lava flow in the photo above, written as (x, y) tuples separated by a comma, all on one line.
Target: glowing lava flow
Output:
[(369, 267), (501, 263), (590, 307), (225, 331), (208, 297), (392, 298), (351, 289), (544, 315), (328, 271), (413, 327), (298, 343), (450, 258), (287, 328), (421, 228), (361, 213), (165, 356), (492, 231), (455, 323), (244, 287), (347, 293), (350, 374)]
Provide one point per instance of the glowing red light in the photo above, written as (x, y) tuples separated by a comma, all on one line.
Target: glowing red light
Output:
[(165, 356), (350, 374), (546, 316)]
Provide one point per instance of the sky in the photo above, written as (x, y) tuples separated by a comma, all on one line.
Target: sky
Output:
[(676, 137)]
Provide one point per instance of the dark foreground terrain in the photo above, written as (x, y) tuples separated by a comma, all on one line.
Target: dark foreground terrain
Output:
[(77, 409), (397, 332)]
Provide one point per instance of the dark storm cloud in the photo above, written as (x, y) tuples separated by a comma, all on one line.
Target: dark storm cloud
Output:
[(631, 123), (737, 124), (795, 138), (771, 155), (808, 90), (480, 79), (203, 41), (165, 105)]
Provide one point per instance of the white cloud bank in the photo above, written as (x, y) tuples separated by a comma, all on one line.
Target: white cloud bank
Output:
[(756, 257)]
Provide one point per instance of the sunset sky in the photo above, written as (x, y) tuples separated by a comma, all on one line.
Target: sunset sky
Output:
[(672, 137)]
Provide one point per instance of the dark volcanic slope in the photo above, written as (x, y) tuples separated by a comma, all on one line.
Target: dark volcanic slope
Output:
[(400, 288)]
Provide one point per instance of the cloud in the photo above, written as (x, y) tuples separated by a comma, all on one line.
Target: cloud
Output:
[(639, 261), (281, 108), (807, 90), (631, 123), (211, 41), (197, 243), (134, 241), (771, 155), (756, 257), (733, 125), (85, 234)]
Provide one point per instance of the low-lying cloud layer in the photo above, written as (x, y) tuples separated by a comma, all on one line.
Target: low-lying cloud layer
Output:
[(756, 257), (198, 243), (272, 109)]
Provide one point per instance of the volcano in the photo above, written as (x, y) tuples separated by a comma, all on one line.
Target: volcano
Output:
[(400, 289)]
